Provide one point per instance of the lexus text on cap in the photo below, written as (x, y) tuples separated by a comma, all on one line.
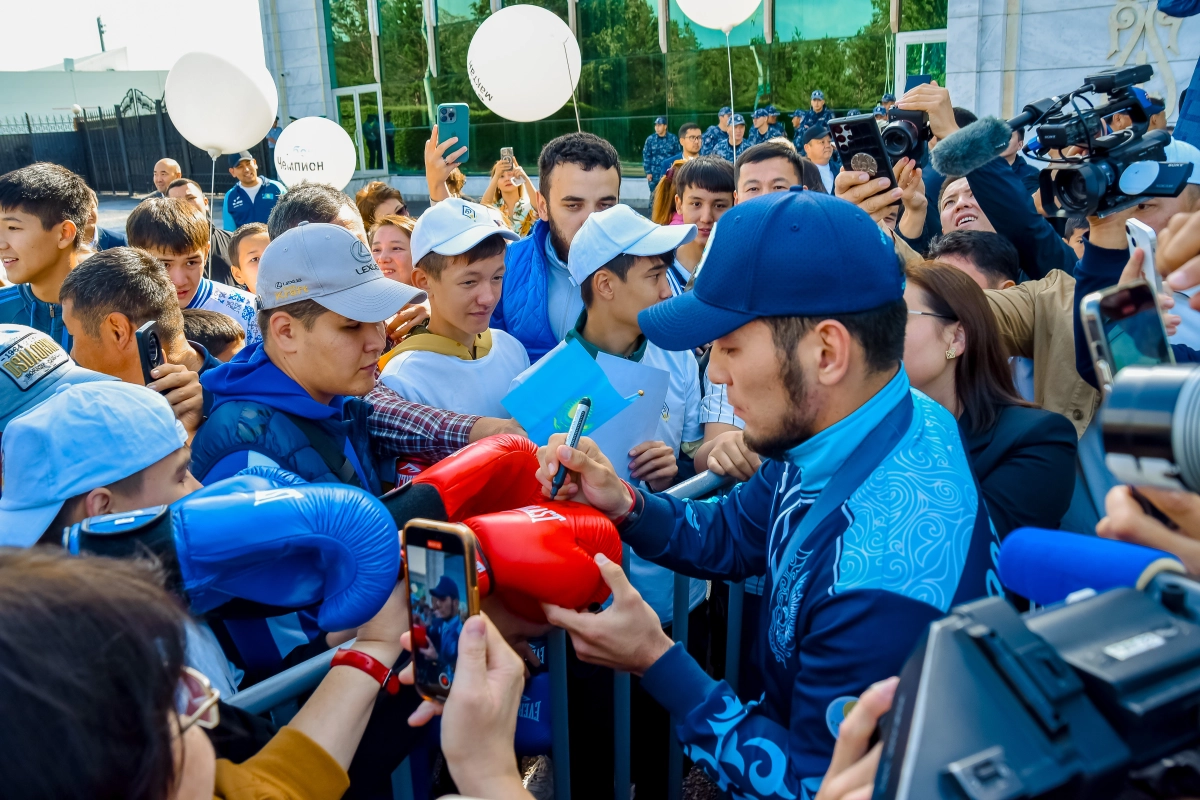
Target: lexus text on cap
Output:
[(329, 264), (725, 110), (613, 231), (761, 262), (237, 158), (452, 227), (32, 366), (660, 120), (80, 438), (818, 94)]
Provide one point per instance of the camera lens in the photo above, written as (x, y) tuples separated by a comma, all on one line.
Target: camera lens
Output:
[(1151, 426), (152, 348), (900, 138), (1080, 188), (451, 115)]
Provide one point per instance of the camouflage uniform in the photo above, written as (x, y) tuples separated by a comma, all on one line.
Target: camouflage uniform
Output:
[(724, 149), (812, 118), (775, 130), (709, 140), (654, 151), (753, 137)]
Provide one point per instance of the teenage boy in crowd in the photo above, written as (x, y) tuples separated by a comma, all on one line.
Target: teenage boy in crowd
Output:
[(43, 211), (218, 334), (252, 197), (715, 132), (219, 261), (455, 361), (579, 174), (177, 234), (245, 251), (399, 429), (809, 341), (704, 191)]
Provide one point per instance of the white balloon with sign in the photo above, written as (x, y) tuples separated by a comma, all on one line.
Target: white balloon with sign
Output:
[(220, 106), (316, 150), (721, 15), (505, 44)]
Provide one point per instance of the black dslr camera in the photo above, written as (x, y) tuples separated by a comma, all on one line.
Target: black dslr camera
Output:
[(1092, 699), (1101, 181), (906, 134)]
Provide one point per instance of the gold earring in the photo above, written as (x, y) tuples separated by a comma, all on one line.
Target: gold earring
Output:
[(950, 354)]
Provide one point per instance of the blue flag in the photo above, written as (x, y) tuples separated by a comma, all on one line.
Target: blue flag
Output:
[(544, 396)]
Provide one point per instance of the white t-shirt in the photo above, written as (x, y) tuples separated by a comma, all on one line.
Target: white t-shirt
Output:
[(457, 384), (251, 190), (715, 406), (236, 303), (826, 176)]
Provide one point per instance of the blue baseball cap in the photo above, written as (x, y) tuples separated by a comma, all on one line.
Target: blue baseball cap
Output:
[(81, 438), (772, 111), (1151, 105), (854, 112), (799, 112), (237, 158), (660, 120), (738, 119), (446, 587), (795, 253), (818, 94), (888, 97), (760, 113), (880, 111), (33, 366), (724, 110)]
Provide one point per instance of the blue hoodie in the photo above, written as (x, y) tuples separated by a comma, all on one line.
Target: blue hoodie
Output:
[(245, 429)]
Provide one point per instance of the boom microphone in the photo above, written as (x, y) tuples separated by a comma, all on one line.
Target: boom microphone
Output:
[(1047, 566), (969, 148)]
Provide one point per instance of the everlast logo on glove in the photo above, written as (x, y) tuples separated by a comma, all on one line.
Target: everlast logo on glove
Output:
[(541, 514), (31, 359)]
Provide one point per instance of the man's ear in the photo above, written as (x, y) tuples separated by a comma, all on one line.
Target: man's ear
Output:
[(233, 174), (67, 231), (836, 347), (283, 332), (1007, 283), (602, 284), (543, 204), (97, 502), (116, 330), (421, 279)]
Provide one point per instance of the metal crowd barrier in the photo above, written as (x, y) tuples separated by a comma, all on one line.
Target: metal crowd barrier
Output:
[(278, 694)]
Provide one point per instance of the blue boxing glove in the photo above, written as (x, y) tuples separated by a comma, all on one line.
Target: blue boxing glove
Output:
[(248, 538)]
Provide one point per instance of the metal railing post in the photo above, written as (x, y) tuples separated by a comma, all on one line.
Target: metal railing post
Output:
[(124, 150), (94, 168), (556, 651), (162, 130)]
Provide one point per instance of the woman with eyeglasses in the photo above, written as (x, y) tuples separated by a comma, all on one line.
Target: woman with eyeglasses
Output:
[(1023, 457), (97, 700)]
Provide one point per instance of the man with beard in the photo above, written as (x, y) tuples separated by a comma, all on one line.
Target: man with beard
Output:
[(579, 174), (864, 519)]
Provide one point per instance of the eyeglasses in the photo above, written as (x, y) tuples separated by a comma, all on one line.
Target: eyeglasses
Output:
[(693, 137), (196, 701), (931, 314)]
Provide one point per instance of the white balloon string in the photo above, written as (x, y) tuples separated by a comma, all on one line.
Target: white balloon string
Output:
[(732, 127), (571, 79), (212, 193)]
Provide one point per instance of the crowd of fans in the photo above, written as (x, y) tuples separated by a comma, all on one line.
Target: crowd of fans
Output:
[(895, 378)]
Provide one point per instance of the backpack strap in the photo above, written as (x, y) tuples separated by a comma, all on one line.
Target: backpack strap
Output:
[(330, 451)]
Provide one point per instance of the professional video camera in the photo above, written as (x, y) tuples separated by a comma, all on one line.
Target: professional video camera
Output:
[(1093, 699), (1151, 426), (1098, 182)]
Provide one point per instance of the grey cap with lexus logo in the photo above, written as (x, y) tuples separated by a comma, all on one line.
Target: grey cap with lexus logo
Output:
[(327, 263)]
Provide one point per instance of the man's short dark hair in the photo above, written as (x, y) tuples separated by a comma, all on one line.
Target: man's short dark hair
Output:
[(175, 184), (687, 126), (1074, 224), (308, 202), (433, 264), (167, 224), (123, 280), (619, 266), (235, 241), (880, 331), (709, 173), (586, 150), (49, 192), (963, 117), (765, 151), (305, 312), (993, 254), (211, 329)]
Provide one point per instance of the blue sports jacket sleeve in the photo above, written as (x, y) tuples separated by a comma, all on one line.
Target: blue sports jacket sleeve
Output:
[(743, 747), (1002, 197), (226, 219)]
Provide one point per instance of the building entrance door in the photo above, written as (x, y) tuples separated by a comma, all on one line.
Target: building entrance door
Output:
[(359, 114), (920, 53)]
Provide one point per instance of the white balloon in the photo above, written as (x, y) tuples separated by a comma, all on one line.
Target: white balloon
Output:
[(501, 50), (722, 15), (219, 106), (316, 150)]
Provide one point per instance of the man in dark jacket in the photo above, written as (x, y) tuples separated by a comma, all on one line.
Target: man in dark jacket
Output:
[(580, 174)]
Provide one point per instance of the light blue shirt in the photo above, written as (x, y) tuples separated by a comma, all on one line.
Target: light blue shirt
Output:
[(563, 303)]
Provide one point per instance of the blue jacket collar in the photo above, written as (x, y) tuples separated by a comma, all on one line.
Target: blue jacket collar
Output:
[(821, 456), (552, 259), (251, 376), (203, 292)]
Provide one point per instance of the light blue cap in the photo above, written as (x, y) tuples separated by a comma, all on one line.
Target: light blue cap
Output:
[(613, 231), (79, 439), (32, 366)]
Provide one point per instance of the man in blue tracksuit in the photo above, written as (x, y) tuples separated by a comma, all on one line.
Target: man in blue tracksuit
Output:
[(579, 174), (252, 197), (864, 519)]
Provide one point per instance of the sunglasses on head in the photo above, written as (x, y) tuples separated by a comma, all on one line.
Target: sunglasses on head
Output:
[(196, 701)]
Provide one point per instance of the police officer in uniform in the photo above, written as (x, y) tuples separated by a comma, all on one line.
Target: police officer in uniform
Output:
[(730, 152), (761, 130), (818, 114), (716, 132), (798, 129), (659, 146), (773, 124)]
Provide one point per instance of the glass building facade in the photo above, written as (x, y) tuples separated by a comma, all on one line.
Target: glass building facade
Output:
[(387, 85)]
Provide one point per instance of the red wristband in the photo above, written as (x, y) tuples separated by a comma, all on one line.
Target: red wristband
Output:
[(632, 504), (389, 681)]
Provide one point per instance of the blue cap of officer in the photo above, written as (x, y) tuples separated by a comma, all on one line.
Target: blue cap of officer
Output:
[(799, 112), (760, 113), (724, 110), (854, 112), (880, 111), (818, 94), (738, 119), (888, 97), (772, 111), (796, 253), (660, 120)]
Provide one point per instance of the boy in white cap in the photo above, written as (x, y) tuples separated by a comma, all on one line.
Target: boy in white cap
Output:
[(455, 360)]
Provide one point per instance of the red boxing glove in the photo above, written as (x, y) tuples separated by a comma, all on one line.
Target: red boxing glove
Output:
[(544, 554), (493, 474)]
